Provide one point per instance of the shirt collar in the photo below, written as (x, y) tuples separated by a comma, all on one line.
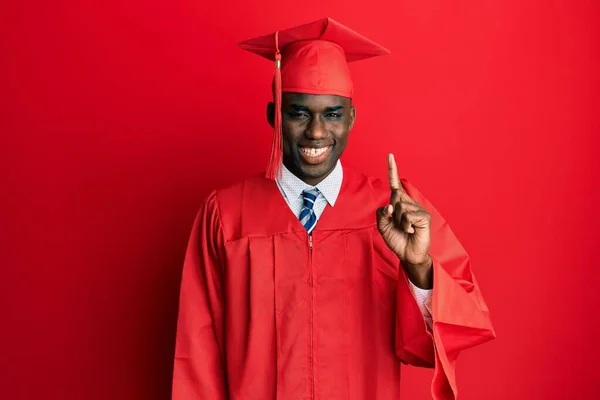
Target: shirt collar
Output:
[(292, 186)]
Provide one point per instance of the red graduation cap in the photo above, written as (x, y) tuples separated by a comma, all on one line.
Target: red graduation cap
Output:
[(312, 59)]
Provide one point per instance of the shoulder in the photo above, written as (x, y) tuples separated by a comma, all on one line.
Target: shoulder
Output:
[(236, 205)]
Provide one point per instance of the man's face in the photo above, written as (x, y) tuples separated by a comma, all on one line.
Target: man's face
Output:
[(315, 133)]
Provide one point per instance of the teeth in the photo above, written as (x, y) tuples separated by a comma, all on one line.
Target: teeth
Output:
[(313, 152)]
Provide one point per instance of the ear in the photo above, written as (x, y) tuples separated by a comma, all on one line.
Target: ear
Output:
[(352, 117), (271, 113)]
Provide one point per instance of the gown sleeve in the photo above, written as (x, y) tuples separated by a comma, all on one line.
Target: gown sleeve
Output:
[(199, 370), (460, 316)]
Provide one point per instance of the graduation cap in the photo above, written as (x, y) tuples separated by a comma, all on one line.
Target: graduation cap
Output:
[(312, 59)]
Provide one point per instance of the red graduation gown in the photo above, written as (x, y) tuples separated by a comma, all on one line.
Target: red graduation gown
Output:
[(265, 316)]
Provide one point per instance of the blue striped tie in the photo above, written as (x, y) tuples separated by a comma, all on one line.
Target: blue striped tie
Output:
[(307, 215)]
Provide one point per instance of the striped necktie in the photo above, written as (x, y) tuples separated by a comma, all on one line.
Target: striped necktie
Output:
[(307, 215)]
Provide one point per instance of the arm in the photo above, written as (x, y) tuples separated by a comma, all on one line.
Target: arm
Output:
[(431, 256), (199, 370), (460, 316)]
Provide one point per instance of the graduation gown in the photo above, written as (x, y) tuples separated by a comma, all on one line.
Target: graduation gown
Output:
[(268, 313)]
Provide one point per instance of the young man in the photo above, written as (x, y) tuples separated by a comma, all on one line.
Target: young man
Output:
[(317, 282)]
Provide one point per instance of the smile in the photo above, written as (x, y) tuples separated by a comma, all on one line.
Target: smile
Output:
[(313, 155), (310, 152)]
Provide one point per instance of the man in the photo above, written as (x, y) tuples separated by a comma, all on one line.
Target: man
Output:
[(319, 284)]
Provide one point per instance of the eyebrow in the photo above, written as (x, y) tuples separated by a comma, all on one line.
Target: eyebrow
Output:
[(298, 107)]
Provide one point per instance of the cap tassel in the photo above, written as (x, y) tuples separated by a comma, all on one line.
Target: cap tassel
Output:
[(274, 166)]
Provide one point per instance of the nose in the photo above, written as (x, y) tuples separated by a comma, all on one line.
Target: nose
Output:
[(316, 129)]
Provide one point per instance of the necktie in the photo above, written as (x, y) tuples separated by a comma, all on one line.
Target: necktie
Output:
[(307, 215)]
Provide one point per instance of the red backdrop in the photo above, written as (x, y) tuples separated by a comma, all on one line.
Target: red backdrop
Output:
[(118, 117)]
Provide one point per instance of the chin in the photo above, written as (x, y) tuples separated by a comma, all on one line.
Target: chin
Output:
[(317, 171)]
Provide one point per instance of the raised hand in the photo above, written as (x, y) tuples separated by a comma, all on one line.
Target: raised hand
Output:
[(405, 228)]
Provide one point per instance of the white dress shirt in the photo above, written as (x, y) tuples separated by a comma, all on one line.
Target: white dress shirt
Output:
[(291, 187)]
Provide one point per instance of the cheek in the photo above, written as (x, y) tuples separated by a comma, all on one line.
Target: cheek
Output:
[(341, 136), (289, 138)]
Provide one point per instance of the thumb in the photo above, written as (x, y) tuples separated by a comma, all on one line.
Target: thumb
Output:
[(383, 216)]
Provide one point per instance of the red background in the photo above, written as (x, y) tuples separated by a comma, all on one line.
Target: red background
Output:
[(118, 117)]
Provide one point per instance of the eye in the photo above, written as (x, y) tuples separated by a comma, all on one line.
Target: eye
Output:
[(333, 116), (297, 115)]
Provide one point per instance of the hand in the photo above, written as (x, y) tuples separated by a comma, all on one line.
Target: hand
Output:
[(405, 228)]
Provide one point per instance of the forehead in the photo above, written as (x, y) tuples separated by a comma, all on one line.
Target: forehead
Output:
[(314, 100)]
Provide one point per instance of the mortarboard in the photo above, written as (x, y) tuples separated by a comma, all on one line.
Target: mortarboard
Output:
[(311, 59)]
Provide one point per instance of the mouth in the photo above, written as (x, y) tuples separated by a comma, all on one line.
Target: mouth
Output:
[(311, 155)]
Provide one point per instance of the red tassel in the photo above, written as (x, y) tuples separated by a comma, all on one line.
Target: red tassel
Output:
[(274, 166)]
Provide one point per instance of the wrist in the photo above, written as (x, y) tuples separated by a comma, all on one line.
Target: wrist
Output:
[(421, 275)]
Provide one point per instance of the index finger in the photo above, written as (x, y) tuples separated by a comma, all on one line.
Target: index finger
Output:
[(393, 174)]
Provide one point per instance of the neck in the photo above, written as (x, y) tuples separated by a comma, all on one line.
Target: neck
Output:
[(312, 181)]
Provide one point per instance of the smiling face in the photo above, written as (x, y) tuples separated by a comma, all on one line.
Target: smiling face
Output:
[(315, 133)]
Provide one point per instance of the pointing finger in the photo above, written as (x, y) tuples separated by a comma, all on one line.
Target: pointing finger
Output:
[(394, 181)]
